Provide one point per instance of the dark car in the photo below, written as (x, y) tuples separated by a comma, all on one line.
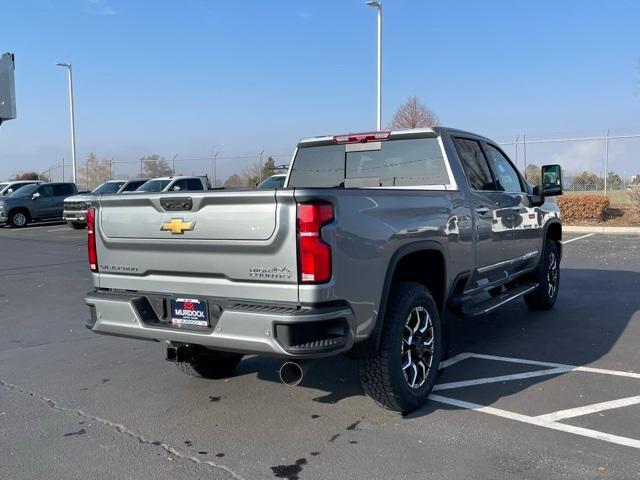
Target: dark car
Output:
[(35, 203)]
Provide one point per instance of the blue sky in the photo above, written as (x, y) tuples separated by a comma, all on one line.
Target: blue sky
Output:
[(181, 77)]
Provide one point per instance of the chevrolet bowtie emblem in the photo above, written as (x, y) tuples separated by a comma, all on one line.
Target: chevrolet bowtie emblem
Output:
[(177, 226)]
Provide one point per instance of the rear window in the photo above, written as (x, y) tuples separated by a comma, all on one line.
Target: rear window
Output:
[(395, 163)]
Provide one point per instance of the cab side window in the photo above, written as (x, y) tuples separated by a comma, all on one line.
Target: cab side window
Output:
[(507, 178), (194, 184), (474, 164), (46, 191)]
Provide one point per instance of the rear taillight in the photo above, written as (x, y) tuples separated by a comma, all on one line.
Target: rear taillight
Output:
[(314, 255), (91, 239)]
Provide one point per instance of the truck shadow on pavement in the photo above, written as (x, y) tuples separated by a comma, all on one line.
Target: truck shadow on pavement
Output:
[(592, 312)]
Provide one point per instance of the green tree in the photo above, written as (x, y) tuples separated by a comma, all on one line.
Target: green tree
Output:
[(614, 180), (269, 168)]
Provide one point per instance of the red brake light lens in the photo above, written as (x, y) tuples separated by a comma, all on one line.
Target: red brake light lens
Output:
[(362, 137), (91, 239), (314, 254)]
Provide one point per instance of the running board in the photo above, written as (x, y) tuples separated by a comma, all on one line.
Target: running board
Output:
[(491, 304)]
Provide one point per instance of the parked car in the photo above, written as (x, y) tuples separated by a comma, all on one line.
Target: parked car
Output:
[(373, 238), (273, 182), (36, 202), (75, 207), (175, 184), (7, 188)]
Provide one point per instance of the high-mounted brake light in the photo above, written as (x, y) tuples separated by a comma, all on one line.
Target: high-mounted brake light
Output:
[(362, 137), (314, 255), (91, 239)]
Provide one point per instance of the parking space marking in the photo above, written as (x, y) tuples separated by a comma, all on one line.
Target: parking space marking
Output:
[(58, 229), (502, 378), (548, 420), (577, 238), (577, 368), (585, 432), (589, 409)]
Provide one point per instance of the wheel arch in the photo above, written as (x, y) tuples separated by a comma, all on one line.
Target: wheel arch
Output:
[(20, 209), (553, 232), (402, 267)]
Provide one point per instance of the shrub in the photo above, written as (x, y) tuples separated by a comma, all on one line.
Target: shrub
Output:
[(576, 208)]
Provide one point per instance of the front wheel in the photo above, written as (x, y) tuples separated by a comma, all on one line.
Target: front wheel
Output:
[(18, 219), (211, 365), (547, 275), (401, 374)]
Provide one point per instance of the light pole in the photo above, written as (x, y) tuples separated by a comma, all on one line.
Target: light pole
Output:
[(378, 6), (73, 123)]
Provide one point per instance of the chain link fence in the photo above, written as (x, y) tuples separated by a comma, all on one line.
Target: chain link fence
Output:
[(229, 170), (602, 164)]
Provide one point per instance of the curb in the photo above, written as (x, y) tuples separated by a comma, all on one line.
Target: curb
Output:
[(596, 229)]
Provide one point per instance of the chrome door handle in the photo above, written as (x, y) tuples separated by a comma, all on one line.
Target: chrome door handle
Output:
[(482, 210)]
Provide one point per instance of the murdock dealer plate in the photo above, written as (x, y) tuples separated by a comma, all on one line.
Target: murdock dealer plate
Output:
[(189, 312)]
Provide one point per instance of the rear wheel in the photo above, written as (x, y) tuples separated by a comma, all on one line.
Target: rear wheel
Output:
[(210, 365), (547, 275), (77, 225), (401, 374), (18, 219)]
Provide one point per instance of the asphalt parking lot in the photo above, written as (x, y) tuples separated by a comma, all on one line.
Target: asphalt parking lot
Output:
[(524, 395)]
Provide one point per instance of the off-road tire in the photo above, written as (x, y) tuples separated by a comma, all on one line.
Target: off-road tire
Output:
[(19, 219), (544, 297), (381, 372), (211, 365), (77, 225)]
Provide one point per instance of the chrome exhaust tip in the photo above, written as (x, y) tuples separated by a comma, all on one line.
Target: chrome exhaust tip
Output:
[(291, 373)]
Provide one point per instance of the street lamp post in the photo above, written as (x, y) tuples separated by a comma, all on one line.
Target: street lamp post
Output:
[(378, 6), (72, 116)]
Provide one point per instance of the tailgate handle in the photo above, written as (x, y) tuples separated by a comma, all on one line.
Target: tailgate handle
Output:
[(176, 204)]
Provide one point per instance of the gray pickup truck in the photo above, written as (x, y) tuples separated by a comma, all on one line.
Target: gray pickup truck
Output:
[(35, 202), (371, 240)]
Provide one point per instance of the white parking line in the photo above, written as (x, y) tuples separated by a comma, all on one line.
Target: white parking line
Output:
[(618, 373), (589, 409), (577, 238), (549, 420), (501, 378), (58, 229), (585, 432)]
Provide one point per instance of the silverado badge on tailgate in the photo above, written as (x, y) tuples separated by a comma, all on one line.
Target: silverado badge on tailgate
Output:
[(177, 226)]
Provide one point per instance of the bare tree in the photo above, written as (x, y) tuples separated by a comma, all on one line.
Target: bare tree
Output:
[(235, 181), (155, 166), (251, 174), (93, 172), (413, 114), (26, 176)]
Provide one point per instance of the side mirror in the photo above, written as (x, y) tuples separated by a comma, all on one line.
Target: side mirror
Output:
[(551, 180), (175, 188), (35, 195)]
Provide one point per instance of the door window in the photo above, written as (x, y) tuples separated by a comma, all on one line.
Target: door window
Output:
[(507, 178), (62, 189), (474, 164), (46, 191), (178, 186)]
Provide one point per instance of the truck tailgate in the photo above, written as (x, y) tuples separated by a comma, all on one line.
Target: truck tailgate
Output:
[(231, 244)]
